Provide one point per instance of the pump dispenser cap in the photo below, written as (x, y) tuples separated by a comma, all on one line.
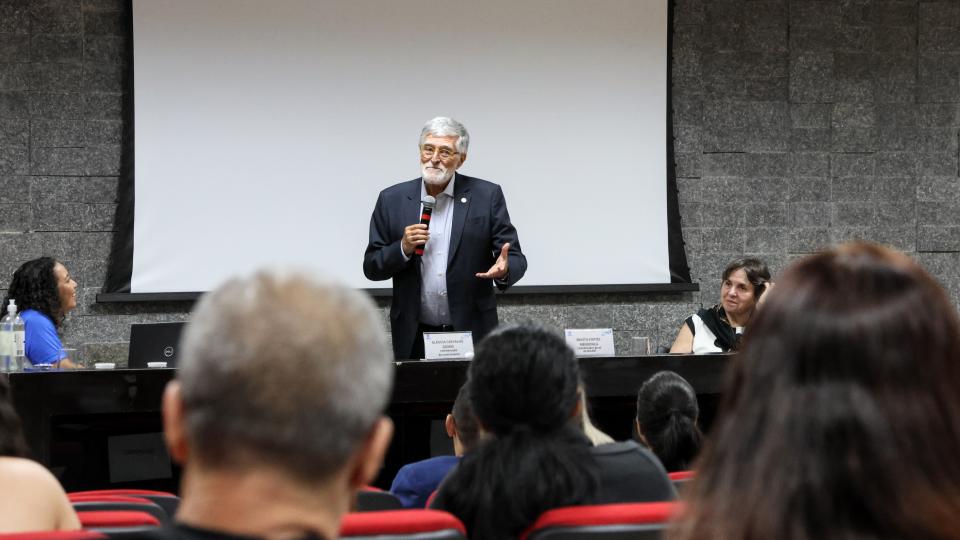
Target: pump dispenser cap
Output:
[(12, 307)]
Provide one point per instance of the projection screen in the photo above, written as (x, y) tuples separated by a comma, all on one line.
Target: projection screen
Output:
[(265, 129)]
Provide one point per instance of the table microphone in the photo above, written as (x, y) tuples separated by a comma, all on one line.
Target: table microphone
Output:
[(428, 203)]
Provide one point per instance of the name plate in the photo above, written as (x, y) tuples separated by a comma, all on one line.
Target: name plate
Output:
[(590, 341), (447, 345)]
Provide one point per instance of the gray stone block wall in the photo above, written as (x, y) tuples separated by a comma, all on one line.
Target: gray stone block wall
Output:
[(797, 124)]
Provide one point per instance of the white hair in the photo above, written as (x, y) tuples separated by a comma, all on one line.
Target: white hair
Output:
[(442, 126)]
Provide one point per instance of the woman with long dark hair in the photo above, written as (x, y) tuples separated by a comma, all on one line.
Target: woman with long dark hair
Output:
[(523, 387), (44, 293), (841, 415), (666, 421), (31, 499)]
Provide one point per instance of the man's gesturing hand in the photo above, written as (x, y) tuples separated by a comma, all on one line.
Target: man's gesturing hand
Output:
[(413, 236), (499, 268)]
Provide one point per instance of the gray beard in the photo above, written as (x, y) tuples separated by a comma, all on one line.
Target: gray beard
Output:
[(438, 181)]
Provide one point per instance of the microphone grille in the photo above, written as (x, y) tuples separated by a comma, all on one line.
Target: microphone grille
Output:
[(429, 201)]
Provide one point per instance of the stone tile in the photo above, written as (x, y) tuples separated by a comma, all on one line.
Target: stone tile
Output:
[(852, 165), (103, 77), (14, 105), (65, 105), (854, 140), (810, 115), (100, 217), (55, 16), (809, 214), (14, 47), (59, 216), (808, 239), (722, 240), (104, 106), (105, 50), (937, 164), (938, 213), (56, 48), (853, 214), (896, 164), (14, 18), (689, 165), (55, 77), (15, 217), (19, 247), (808, 190), (938, 188), (56, 133), (938, 238), (686, 138), (14, 189), (763, 240), (811, 164), (811, 78), (111, 23), (766, 215), (811, 140), (15, 77), (853, 115)]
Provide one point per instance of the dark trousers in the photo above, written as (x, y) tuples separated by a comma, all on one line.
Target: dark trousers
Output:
[(417, 352)]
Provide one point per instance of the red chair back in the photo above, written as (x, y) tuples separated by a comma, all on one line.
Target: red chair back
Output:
[(106, 521), (168, 501), (402, 525), (54, 535), (603, 522)]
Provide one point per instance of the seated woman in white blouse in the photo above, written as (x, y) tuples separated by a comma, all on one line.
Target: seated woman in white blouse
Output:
[(718, 328)]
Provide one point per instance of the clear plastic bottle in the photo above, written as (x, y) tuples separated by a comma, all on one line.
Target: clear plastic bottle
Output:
[(12, 342)]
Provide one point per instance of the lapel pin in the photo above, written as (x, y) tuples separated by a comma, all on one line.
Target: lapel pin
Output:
[(463, 199)]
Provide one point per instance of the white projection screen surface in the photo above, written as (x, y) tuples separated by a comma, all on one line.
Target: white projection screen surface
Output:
[(264, 130)]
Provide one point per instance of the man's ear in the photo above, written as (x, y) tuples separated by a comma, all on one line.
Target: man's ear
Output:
[(577, 411), (451, 426), (174, 431), (370, 456), (463, 158)]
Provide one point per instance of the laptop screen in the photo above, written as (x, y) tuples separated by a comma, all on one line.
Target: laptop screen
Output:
[(156, 342)]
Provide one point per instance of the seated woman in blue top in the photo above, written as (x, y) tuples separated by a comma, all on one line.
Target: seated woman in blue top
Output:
[(44, 293)]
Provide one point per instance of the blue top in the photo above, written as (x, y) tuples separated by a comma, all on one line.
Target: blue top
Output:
[(416, 481), (42, 341)]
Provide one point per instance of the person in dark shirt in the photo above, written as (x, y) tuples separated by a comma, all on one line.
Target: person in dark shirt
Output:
[(523, 387), (666, 421), (415, 482), (276, 414)]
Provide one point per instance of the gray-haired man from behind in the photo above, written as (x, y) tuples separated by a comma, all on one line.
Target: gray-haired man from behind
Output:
[(277, 411)]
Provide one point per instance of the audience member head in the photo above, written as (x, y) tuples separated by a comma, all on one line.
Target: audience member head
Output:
[(461, 424), (43, 285), (592, 432), (841, 416), (666, 421), (282, 378), (743, 283), (523, 386), (12, 443)]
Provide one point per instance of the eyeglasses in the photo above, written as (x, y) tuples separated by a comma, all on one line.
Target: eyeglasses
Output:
[(428, 150)]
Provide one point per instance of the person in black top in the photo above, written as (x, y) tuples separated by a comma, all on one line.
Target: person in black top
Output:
[(276, 414), (523, 387)]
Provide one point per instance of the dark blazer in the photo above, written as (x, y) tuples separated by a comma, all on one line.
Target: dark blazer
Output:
[(481, 226)]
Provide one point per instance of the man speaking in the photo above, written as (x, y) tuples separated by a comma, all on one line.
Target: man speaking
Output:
[(467, 242)]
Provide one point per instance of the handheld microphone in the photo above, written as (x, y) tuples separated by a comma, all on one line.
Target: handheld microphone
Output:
[(428, 204)]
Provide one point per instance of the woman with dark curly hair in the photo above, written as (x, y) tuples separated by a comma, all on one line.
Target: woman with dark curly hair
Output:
[(44, 293), (31, 499)]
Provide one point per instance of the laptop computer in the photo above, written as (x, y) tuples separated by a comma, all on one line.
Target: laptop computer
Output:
[(154, 342)]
